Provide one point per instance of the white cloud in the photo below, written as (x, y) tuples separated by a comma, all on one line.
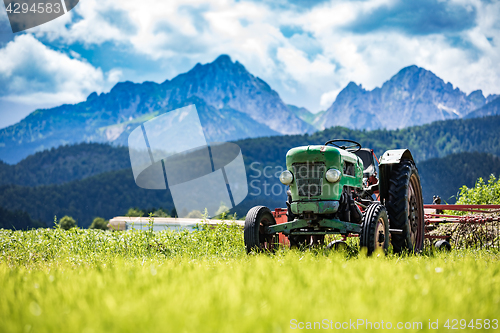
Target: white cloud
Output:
[(300, 68), (328, 98), (114, 76), (33, 74), (308, 69), (84, 24), (372, 58)]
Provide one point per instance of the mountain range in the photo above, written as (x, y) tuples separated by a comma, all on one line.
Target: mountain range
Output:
[(490, 109), (414, 96), (233, 104)]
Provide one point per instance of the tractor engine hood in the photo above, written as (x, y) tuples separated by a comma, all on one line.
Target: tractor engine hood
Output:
[(313, 154), (309, 165)]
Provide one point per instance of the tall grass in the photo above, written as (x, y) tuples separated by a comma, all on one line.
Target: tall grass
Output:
[(96, 281), (90, 245)]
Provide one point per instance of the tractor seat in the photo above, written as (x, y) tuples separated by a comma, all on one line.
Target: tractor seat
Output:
[(369, 168)]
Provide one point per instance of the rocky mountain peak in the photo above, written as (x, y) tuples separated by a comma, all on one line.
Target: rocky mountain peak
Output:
[(92, 96), (353, 88), (223, 66), (227, 84), (413, 96), (232, 104), (223, 60), (414, 79), (414, 71), (122, 86)]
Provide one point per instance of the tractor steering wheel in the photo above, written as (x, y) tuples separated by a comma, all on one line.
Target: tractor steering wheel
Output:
[(352, 148)]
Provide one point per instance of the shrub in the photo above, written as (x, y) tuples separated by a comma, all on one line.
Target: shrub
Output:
[(99, 223), (481, 193), (67, 222), (195, 214), (160, 213), (135, 212)]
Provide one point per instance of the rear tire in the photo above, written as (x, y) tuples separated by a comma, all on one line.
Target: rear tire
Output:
[(258, 218), (405, 208), (375, 229)]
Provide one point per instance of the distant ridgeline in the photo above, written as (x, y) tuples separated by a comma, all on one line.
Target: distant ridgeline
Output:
[(89, 180), (234, 104)]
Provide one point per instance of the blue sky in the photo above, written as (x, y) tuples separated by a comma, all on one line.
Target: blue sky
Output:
[(306, 50)]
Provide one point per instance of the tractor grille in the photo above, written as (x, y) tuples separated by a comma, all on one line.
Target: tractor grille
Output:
[(309, 178)]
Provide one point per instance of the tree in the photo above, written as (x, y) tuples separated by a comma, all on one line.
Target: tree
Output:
[(17, 220), (99, 223), (194, 214), (67, 222), (135, 212), (160, 213)]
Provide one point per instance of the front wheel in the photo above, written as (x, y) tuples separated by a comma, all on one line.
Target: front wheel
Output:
[(375, 229), (254, 235)]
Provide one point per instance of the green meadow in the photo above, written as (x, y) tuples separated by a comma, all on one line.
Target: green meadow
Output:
[(52, 280)]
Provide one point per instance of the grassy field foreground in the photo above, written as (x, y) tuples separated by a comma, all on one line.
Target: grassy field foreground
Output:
[(94, 281)]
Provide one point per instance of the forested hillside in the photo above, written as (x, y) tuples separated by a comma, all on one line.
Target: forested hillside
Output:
[(64, 164), (105, 195), (67, 163), (111, 194), (17, 220), (438, 139), (444, 176), (447, 155)]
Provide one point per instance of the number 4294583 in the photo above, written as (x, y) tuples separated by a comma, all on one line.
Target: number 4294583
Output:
[(36, 8), (485, 324)]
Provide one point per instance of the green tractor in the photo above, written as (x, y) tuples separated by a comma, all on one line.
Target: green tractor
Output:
[(341, 188)]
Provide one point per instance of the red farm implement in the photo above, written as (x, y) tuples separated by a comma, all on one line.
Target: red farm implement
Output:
[(481, 228)]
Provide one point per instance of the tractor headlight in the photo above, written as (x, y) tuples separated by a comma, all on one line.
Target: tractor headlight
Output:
[(286, 177), (333, 175)]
